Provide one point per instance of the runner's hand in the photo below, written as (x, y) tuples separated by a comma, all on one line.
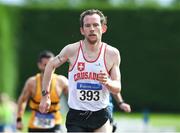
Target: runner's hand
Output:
[(103, 78), (125, 107), (19, 125), (45, 104)]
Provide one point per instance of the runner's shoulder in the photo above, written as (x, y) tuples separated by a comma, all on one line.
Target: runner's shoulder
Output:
[(112, 51), (72, 48)]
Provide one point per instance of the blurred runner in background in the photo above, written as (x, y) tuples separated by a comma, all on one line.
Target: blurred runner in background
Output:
[(7, 113), (42, 122)]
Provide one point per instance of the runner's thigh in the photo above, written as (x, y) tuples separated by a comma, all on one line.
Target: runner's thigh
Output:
[(106, 128)]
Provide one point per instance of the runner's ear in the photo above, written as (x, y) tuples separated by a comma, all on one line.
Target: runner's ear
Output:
[(82, 31), (104, 28)]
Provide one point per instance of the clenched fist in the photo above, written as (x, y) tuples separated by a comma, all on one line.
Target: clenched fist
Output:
[(45, 104)]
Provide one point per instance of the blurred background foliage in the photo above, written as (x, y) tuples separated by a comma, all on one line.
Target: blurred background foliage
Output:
[(8, 49), (145, 31), (70, 4)]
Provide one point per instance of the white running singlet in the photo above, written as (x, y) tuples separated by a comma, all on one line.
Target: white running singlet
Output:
[(85, 92)]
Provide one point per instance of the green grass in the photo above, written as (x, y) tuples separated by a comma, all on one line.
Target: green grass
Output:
[(166, 120), (25, 121), (156, 119)]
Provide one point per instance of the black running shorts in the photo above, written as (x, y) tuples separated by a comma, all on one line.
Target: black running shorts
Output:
[(86, 121)]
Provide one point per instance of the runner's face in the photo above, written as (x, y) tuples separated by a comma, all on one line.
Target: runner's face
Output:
[(92, 28), (42, 64)]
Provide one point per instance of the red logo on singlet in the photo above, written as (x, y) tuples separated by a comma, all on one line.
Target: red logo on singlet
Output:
[(81, 66)]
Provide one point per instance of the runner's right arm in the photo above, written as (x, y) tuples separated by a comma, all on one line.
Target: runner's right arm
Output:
[(22, 102)]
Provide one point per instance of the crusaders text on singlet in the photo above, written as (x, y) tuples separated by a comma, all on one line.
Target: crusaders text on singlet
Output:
[(85, 92)]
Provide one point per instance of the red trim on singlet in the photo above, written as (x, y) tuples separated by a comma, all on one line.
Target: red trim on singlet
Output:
[(105, 60), (76, 58), (92, 60)]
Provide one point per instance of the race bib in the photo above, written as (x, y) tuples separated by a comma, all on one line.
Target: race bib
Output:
[(44, 120), (89, 91)]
